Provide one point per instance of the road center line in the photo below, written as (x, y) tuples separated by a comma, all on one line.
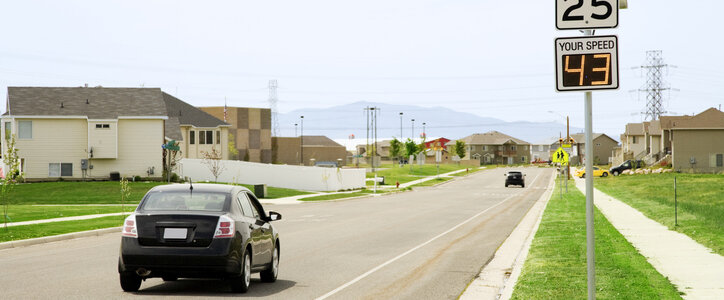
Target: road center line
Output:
[(375, 269)]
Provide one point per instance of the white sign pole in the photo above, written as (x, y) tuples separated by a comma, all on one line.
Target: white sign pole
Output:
[(590, 237)]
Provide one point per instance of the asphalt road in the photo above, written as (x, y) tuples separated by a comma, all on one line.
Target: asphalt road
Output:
[(426, 244)]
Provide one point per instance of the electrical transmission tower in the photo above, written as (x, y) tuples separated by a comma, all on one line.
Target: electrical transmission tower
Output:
[(654, 85), (273, 105)]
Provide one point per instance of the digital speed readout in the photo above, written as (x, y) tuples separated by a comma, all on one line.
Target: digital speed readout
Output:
[(586, 69)]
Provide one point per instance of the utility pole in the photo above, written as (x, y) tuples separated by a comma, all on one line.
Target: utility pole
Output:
[(654, 85), (301, 143), (424, 136)]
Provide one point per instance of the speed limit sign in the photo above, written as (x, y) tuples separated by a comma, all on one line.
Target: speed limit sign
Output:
[(586, 14)]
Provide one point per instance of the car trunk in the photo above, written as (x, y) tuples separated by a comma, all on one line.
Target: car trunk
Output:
[(176, 230)]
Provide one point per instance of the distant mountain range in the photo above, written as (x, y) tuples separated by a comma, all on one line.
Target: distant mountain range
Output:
[(339, 122)]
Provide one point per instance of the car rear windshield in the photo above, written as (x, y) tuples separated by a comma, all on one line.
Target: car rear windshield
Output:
[(185, 201), (513, 173)]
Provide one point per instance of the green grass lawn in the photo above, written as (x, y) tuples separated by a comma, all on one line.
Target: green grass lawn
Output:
[(700, 200), (21, 213), (55, 228), (556, 264), (276, 192), (395, 173), (66, 192)]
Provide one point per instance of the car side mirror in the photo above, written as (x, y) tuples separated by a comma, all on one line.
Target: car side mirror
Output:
[(274, 216)]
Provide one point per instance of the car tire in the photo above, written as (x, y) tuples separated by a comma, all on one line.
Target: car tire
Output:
[(169, 278), (130, 282), (615, 173), (506, 185), (522, 185), (241, 283), (604, 174), (583, 175), (270, 275)]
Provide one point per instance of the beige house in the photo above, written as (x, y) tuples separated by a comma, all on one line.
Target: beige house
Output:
[(603, 146), (383, 149), (317, 149), (250, 129), (76, 133), (494, 147), (196, 131), (689, 143)]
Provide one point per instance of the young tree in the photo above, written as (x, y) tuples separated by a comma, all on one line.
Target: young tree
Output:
[(410, 149), (13, 175), (395, 148), (460, 149), (212, 160), (233, 152), (125, 194)]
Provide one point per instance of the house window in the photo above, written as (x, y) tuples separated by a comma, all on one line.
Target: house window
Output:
[(218, 137), (25, 129), (206, 137), (8, 130), (720, 160), (485, 148), (103, 126), (512, 148), (60, 169), (209, 137), (540, 147), (202, 137), (633, 140), (522, 159), (192, 137)]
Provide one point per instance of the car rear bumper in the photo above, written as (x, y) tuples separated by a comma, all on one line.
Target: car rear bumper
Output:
[(219, 259)]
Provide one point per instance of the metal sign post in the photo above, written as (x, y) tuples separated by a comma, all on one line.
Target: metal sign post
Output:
[(585, 64)]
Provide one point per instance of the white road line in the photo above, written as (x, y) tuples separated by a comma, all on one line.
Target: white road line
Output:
[(375, 269)]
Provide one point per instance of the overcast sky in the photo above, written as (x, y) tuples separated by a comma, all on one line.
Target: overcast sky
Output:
[(491, 58)]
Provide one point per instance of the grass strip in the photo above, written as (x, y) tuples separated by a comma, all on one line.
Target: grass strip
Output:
[(21, 213), (700, 201), (277, 192), (433, 181), (340, 196), (556, 264), (55, 228)]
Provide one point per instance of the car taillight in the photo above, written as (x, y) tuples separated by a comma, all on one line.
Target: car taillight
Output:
[(225, 228), (129, 227)]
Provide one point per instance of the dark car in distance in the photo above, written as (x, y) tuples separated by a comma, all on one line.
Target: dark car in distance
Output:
[(627, 165), (515, 178), (199, 231)]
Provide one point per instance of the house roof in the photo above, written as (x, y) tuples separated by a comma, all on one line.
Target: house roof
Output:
[(490, 138), (93, 102), (710, 118), (188, 114), (319, 141), (634, 129)]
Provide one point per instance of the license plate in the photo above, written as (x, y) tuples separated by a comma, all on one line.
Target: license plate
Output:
[(174, 233)]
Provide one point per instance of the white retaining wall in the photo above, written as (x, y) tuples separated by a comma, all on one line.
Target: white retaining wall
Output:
[(284, 176)]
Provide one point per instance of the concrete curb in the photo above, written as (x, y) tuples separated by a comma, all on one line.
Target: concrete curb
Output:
[(498, 278), (55, 238)]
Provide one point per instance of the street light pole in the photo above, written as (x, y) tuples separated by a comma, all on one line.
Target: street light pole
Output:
[(423, 131), (301, 143), (295, 129), (413, 130), (400, 126)]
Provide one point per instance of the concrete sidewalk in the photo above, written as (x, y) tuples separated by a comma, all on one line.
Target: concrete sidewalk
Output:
[(693, 268)]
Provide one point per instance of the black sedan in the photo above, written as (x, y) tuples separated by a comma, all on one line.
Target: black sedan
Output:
[(199, 231), (515, 178)]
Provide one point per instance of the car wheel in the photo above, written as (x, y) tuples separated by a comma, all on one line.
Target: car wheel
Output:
[(583, 175), (241, 284), (130, 282), (604, 174), (522, 185), (506, 185), (270, 275), (169, 278), (615, 173)]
